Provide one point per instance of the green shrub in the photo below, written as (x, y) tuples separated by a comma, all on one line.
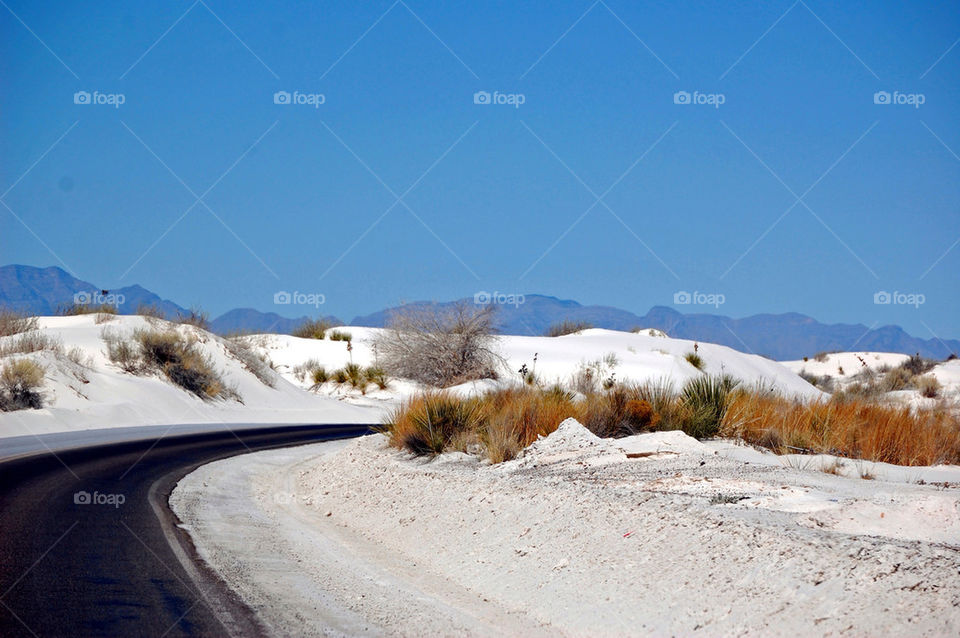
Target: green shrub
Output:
[(567, 327), (376, 376), (312, 329), (20, 381), (338, 335), (705, 399), (319, 376)]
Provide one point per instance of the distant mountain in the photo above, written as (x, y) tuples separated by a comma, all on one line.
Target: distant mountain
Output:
[(43, 291), (250, 320), (785, 336), (782, 337)]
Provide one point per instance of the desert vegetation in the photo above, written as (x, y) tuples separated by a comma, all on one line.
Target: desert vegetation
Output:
[(352, 375), (13, 323), (440, 346), (500, 424), (20, 382), (174, 355), (312, 329), (567, 327)]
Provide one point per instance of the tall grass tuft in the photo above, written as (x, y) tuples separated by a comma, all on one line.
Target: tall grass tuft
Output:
[(426, 424), (705, 399)]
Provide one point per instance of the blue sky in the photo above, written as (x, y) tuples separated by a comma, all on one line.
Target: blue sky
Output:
[(797, 193)]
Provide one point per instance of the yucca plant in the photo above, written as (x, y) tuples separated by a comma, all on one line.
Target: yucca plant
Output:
[(705, 399)]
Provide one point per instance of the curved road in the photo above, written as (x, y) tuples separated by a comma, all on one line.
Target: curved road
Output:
[(88, 546)]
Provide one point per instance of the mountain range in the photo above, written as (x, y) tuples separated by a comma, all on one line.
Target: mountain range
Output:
[(44, 291)]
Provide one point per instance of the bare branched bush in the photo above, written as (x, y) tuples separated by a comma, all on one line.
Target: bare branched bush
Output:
[(20, 381), (195, 317), (13, 323), (440, 346)]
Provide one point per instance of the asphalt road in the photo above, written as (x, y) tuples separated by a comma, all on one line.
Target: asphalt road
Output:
[(88, 546)]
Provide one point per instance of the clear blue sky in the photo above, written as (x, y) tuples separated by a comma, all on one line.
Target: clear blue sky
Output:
[(690, 194)]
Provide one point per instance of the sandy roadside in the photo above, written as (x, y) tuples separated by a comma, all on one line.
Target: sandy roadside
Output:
[(574, 538)]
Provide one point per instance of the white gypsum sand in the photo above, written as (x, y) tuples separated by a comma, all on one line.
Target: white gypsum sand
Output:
[(576, 538)]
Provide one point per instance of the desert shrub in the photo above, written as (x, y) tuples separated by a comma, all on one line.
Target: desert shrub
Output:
[(821, 357), (620, 412), (195, 317), (376, 376), (77, 356), (929, 387), (526, 413), (705, 399), (340, 376), (918, 365), (427, 423), (20, 381), (319, 376), (255, 363), (304, 370), (73, 309), (150, 310), (812, 379), (440, 346), (340, 335), (13, 323), (355, 377), (852, 428), (27, 342), (172, 354), (567, 327), (898, 378), (312, 329), (695, 360), (591, 375), (122, 352)]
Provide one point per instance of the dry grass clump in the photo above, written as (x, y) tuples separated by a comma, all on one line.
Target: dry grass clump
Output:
[(928, 386), (13, 323), (852, 428), (174, 355), (32, 341), (312, 329), (151, 311), (20, 381), (440, 346), (567, 327), (619, 412), (257, 364)]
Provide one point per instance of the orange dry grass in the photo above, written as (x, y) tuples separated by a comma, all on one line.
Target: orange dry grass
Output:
[(854, 429)]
